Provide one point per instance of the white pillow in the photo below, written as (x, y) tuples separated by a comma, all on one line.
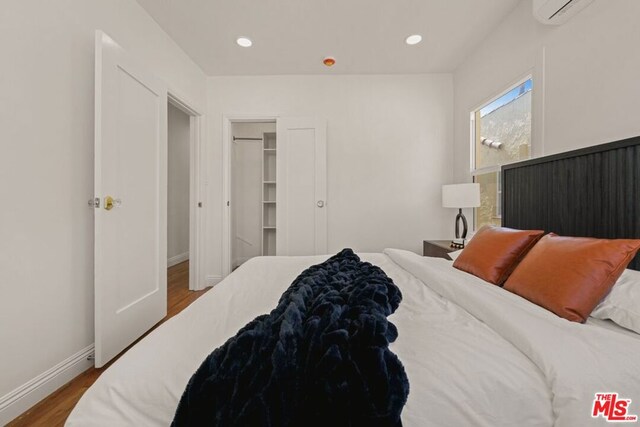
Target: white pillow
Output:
[(453, 255), (622, 305)]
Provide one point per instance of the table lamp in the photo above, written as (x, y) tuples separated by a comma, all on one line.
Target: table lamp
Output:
[(460, 196)]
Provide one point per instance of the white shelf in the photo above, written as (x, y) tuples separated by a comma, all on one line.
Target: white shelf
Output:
[(269, 194)]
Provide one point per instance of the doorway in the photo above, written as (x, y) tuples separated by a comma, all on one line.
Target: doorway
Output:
[(294, 187), (183, 195), (129, 200), (253, 190), (178, 171)]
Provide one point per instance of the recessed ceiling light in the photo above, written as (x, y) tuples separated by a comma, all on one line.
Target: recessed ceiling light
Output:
[(414, 39), (244, 41)]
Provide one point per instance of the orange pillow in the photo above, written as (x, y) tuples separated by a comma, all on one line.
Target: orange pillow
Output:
[(494, 252), (570, 275)]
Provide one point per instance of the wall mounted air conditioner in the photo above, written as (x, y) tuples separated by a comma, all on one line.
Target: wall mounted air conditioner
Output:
[(556, 12)]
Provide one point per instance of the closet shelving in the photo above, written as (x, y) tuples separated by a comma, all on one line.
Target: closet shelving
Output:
[(269, 194)]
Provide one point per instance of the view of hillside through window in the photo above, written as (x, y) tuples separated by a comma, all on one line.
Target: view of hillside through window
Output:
[(501, 134)]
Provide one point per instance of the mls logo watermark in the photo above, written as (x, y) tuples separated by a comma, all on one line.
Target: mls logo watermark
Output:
[(612, 408)]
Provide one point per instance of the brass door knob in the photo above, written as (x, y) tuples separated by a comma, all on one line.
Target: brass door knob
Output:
[(110, 203)]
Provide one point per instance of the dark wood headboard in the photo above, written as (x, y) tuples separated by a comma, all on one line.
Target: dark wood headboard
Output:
[(590, 192)]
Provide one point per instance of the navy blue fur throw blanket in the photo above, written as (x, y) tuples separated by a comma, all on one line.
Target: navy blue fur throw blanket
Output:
[(320, 358)]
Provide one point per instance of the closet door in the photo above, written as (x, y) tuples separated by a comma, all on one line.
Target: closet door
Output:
[(301, 174)]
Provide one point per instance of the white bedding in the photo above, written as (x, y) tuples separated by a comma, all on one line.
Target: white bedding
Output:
[(474, 353)]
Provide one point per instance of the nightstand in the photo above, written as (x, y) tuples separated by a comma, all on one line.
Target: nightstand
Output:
[(437, 248)]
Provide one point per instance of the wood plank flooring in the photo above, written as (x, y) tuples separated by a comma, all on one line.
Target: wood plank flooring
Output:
[(54, 409)]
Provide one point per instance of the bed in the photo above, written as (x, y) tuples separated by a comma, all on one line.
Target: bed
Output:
[(474, 353)]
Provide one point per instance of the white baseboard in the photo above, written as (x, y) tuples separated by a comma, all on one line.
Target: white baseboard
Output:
[(24, 397), (213, 280), (174, 260)]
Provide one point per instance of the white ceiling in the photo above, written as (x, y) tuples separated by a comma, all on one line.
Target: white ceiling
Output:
[(293, 36)]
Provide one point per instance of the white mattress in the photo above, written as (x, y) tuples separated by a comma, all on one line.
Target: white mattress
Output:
[(474, 353)]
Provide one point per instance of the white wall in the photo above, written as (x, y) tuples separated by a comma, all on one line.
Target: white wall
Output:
[(586, 89), (246, 189), (46, 168), (178, 139), (389, 151)]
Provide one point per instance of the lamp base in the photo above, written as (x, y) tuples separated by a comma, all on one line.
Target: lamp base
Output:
[(461, 217), (457, 243)]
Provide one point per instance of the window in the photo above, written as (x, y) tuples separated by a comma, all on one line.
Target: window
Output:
[(500, 134)]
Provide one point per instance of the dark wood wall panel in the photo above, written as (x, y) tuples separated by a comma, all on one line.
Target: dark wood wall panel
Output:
[(592, 192)]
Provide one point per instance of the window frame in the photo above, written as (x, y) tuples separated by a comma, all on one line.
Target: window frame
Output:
[(472, 141)]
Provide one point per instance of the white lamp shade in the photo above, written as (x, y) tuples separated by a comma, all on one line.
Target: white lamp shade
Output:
[(461, 196)]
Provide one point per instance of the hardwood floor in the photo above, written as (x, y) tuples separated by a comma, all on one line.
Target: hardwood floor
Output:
[(54, 409)]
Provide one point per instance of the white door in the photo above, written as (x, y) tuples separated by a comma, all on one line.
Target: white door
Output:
[(130, 231), (301, 176)]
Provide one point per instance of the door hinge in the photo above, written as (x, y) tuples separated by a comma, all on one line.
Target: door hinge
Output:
[(94, 203)]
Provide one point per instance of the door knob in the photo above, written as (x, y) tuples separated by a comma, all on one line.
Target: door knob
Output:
[(320, 203), (110, 203)]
